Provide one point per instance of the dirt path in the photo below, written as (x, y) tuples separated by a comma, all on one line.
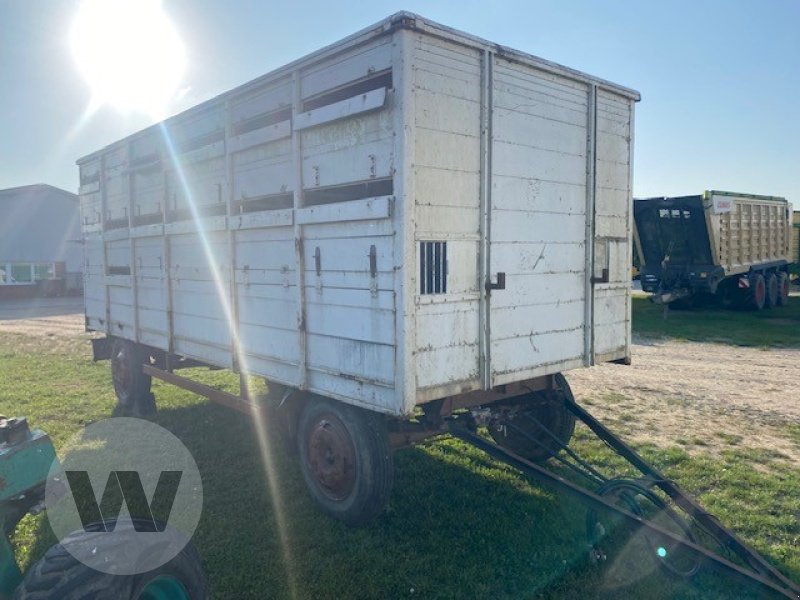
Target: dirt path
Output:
[(701, 396), (61, 326)]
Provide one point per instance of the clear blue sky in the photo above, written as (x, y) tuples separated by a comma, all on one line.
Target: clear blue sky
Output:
[(720, 79)]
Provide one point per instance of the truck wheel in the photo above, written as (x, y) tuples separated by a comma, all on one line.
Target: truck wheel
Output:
[(131, 384), (773, 291), (521, 434), (757, 296), (783, 288), (345, 458), (60, 575)]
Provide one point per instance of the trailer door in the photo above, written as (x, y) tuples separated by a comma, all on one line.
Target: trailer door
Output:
[(535, 238)]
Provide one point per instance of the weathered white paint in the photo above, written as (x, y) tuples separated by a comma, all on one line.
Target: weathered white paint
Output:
[(486, 149)]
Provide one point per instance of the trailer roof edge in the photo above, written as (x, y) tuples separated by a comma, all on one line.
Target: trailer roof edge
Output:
[(399, 20)]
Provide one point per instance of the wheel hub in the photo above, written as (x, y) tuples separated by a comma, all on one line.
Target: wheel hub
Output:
[(332, 458)]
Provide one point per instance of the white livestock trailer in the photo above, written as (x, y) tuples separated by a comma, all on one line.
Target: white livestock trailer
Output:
[(410, 220)]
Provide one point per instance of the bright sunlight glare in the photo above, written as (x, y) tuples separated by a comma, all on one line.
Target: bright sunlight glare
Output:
[(129, 53)]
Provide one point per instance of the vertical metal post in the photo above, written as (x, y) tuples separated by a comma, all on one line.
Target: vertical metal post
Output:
[(233, 295), (166, 264), (629, 229), (103, 218), (485, 223), (297, 158), (591, 190), (406, 269), (134, 288)]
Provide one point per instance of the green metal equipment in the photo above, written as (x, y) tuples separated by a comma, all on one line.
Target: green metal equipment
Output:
[(26, 458)]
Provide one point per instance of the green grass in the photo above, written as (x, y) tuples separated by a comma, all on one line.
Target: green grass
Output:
[(768, 328), (459, 525)]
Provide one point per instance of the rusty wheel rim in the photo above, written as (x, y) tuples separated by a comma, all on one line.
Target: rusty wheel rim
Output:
[(332, 458)]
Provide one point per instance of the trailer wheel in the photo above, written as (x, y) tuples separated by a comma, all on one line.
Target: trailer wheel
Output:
[(131, 384), (345, 458), (519, 423), (783, 289), (60, 575), (757, 296), (773, 291)]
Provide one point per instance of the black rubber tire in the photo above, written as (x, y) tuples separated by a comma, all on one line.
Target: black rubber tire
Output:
[(757, 294), (131, 384), (59, 575), (773, 291), (548, 408), (368, 468), (783, 289)]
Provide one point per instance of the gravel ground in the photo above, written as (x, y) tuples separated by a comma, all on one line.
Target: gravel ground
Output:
[(701, 396)]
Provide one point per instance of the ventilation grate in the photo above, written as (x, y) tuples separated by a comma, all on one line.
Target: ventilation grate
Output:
[(433, 267)]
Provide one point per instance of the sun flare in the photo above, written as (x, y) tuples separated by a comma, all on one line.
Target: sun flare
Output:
[(129, 53)]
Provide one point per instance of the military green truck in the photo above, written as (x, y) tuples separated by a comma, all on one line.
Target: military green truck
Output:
[(722, 245)]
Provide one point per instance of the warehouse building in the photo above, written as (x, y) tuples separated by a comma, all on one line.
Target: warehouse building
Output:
[(40, 253)]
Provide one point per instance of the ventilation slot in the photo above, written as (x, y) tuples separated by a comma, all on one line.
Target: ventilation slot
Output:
[(354, 191), (118, 270), (268, 202), (263, 120), (375, 82), (433, 268), (119, 223), (186, 214), (87, 179), (148, 219), (201, 140)]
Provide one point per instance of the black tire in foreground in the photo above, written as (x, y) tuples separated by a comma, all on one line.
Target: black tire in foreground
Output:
[(131, 384), (521, 433), (345, 458), (59, 575)]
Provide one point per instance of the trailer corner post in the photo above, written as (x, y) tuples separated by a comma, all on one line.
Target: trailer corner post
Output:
[(404, 212), (297, 153), (630, 230), (484, 272), (591, 190)]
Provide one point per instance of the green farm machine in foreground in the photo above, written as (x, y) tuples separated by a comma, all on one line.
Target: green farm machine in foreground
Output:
[(26, 457)]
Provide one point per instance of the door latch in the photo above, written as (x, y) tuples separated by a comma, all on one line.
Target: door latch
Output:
[(604, 278), (500, 284)]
